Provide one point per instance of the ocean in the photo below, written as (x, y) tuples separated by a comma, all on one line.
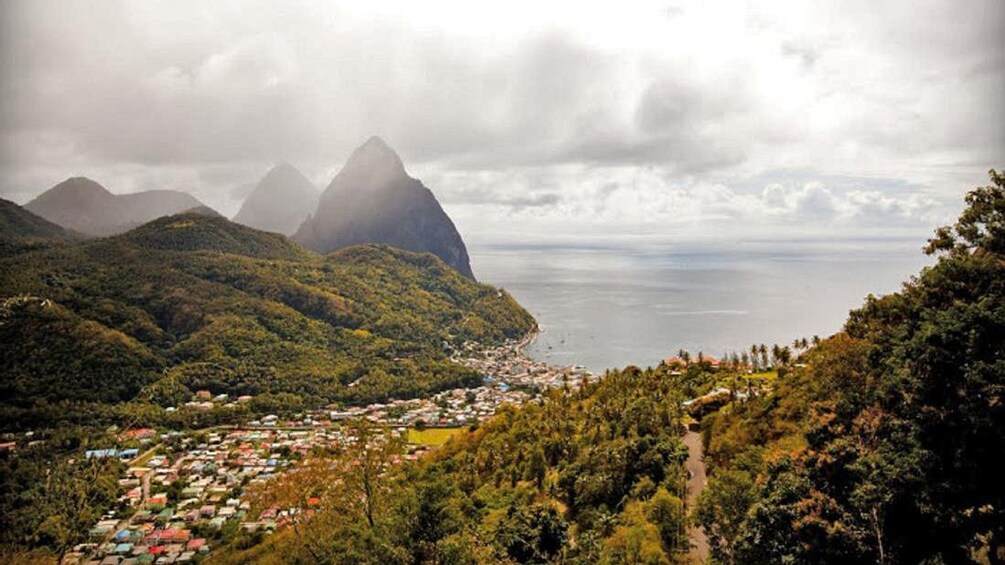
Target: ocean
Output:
[(611, 305)]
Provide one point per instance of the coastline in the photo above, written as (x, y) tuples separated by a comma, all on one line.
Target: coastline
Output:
[(528, 340)]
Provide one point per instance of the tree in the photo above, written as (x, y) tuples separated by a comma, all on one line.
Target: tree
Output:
[(371, 455), (635, 541), (666, 512), (981, 226), (784, 355), (531, 534), (537, 467), (351, 488), (722, 510)]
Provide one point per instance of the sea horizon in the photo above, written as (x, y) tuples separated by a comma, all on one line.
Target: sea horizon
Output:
[(605, 305)]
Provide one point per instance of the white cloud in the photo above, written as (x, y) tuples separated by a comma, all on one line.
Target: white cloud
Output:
[(578, 113)]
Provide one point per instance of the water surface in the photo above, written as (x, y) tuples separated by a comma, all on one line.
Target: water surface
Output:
[(612, 305)]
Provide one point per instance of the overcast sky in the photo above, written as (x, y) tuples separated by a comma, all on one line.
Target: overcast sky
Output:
[(665, 118)]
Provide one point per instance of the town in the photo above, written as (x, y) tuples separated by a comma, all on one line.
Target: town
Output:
[(185, 491)]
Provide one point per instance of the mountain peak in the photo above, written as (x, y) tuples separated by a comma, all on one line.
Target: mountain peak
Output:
[(373, 162), (280, 201), (283, 168), (373, 200), (79, 187)]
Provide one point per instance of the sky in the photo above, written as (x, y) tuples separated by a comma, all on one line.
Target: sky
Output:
[(555, 120)]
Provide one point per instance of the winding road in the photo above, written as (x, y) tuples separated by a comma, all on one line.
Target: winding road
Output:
[(696, 481)]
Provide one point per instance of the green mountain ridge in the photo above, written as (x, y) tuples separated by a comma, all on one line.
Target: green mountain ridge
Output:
[(212, 304), (192, 231)]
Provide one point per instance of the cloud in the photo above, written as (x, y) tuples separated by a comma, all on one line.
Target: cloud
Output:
[(610, 200), (624, 111)]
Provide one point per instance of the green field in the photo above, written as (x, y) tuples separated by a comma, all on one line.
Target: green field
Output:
[(764, 376), (432, 436)]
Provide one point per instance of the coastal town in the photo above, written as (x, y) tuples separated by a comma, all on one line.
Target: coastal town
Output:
[(183, 492)]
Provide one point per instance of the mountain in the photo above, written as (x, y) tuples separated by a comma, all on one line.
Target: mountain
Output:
[(85, 206), (20, 230), (373, 200), (281, 201), (200, 302)]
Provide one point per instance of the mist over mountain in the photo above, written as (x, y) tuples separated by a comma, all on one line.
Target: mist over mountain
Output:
[(280, 202), (373, 200), (83, 205)]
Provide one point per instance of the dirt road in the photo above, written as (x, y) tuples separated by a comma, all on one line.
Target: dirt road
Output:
[(696, 481)]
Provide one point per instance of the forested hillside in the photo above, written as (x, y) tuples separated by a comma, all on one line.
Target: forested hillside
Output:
[(195, 302), (884, 447), (21, 231)]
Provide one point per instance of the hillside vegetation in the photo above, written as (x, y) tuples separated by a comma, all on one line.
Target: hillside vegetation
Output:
[(21, 231), (193, 302), (884, 447)]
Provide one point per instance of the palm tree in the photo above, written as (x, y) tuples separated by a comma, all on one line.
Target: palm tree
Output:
[(785, 355)]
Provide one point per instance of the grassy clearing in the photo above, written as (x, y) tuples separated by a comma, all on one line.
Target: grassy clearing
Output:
[(765, 376), (432, 436)]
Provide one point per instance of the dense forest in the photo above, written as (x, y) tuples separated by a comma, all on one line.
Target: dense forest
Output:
[(194, 302), (877, 444)]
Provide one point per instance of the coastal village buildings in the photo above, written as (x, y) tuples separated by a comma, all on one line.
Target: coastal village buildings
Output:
[(181, 490)]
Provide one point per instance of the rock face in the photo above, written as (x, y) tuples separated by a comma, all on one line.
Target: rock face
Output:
[(373, 200), (82, 205), (280, 202)]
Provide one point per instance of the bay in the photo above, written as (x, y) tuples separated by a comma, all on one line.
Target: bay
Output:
[(607, 305)]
